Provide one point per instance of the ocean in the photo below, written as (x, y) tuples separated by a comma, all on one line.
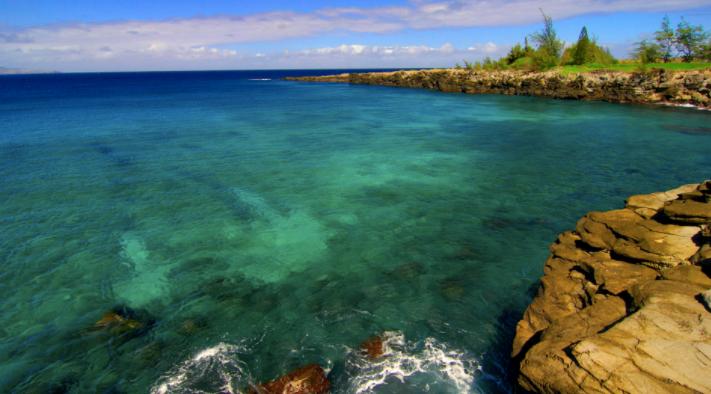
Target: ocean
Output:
[(244, 226)]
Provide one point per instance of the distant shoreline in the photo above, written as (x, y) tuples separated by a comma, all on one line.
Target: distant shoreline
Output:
[(656, 86)]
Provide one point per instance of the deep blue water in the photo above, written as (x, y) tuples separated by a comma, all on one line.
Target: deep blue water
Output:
[(254, 225)]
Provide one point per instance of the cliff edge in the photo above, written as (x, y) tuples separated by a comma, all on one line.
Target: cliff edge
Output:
[(624, 304), (652, 87)]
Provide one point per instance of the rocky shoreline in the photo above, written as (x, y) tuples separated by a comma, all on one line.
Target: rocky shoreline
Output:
[(684, 88), (624, 305)]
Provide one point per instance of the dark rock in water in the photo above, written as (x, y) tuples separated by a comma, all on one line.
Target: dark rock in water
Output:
[(466, 253), (373, 347), (124, 320), (409, 270), (151, 352), (452, 288), (191, 326), (310, 379), (63, 386)]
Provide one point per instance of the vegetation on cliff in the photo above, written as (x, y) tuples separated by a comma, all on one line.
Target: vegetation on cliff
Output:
[(687, 44)]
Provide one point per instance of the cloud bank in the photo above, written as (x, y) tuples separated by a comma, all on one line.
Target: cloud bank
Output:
[(205, 42)]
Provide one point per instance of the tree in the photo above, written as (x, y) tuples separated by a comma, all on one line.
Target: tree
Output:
[(586, 51), (665, 39), (689, 40), (549, 46), (516, 52), (706, 51), (582, 48), (647, 52)]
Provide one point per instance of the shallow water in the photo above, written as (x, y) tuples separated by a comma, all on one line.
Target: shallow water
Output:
[(266, 224)]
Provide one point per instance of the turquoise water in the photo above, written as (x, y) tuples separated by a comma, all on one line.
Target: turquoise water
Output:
[(255, 226)]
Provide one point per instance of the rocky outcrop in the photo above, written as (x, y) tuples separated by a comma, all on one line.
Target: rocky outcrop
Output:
[(656, 86), (310, 379), (623, 305)]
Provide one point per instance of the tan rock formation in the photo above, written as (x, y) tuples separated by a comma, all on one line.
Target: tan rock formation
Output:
[(657, 86), (623, 306)]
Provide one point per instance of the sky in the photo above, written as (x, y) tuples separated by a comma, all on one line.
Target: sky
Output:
[(131, 35)]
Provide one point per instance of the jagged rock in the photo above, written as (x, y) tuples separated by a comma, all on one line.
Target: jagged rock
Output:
[(706, 299), (647, 205), (373, 347), (688, 274), (615, 276), (621, 306), (547, 365), (664, 347), (703, 255), (657, 86), (644, 240), (688, 211), (310, 379)]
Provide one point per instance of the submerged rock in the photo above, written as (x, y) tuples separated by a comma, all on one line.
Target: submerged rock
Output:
[(123, 321), (623, 305), (310, 379)]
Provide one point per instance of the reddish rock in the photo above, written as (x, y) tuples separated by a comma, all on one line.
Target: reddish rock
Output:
[(373, 347), (310, 379)]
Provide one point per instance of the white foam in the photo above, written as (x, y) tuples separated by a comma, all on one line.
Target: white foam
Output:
[(218, 364), (403, 360), (260, 79)]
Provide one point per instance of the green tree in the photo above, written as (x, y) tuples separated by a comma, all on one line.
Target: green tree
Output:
[(582, 48), (665, 39), (689, 40), (516, 52), (647, 52), (706, 51), (549, 46)]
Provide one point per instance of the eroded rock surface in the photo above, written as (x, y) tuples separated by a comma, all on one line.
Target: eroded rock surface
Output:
[(310, 379), (657, 86), (623, 303)]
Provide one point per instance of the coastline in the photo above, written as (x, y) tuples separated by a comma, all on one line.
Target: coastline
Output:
[(670, 88)]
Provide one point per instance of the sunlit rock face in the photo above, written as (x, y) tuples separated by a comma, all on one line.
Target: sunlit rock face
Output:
[(623, 303)]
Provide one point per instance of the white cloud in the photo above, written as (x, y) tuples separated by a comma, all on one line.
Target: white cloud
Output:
[(184, 42)]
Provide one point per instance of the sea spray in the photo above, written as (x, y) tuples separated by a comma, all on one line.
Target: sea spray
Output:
[(213, 369), (429, 363)]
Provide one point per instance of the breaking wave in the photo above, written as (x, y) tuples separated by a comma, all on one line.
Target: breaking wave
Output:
[(429, 365), (212, 370)]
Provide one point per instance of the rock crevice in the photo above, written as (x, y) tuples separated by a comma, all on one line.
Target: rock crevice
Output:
[(623, 303)]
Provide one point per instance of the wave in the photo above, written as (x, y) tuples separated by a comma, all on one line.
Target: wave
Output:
[(213, 370), (260, 79), (430, 364)]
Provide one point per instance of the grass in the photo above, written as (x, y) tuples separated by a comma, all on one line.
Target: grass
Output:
[(631, 67)]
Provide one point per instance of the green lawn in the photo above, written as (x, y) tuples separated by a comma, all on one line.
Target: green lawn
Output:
[(630, 67)]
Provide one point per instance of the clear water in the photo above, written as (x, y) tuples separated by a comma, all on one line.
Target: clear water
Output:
[(266, 224)]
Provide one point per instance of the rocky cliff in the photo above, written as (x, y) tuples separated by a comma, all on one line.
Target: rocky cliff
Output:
[(623, 305), (656, 86)]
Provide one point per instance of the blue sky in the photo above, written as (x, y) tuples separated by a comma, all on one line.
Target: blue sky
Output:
[(85, 35)]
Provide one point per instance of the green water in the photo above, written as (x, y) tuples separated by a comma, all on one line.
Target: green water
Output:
[(264, 225)]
